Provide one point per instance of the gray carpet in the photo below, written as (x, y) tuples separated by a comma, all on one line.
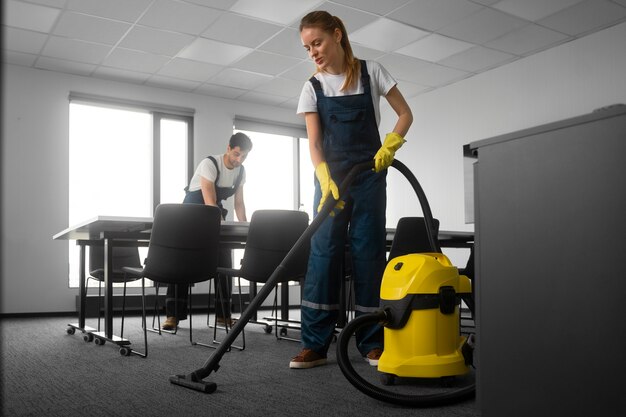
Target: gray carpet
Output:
[(46, 372)]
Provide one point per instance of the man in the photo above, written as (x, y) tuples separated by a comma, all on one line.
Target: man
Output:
[(217, 178)]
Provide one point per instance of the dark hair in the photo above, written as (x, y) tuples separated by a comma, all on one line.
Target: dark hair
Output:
[(242, 140), (329, 23)]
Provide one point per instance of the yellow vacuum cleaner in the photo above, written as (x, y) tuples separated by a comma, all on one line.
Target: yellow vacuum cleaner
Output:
[(420, 300), (422, 336)]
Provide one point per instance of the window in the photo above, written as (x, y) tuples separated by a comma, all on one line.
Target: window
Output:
[(124, 161), (279, 173)]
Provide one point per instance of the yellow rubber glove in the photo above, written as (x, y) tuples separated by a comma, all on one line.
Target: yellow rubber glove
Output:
[(327, 185), (384, 156)]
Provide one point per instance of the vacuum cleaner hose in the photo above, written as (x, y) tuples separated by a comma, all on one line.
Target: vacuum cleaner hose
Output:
[(428, 400)]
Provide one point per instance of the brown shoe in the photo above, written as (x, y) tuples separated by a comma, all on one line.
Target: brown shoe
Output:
[(170, 324), (373, 356), (221, 321), (306, 359)]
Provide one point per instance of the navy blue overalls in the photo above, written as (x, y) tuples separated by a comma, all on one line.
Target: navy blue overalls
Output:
[(225, 284), (350, 137)]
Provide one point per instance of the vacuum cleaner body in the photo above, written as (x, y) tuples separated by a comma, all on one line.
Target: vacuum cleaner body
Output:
[(421, 294)]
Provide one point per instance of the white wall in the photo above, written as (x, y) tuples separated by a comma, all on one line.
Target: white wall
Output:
[(570, 80)]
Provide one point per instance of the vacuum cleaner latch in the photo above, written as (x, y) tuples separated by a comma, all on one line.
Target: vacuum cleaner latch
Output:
[(447, 300)]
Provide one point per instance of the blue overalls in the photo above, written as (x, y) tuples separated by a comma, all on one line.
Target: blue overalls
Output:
[(350, 137), (176, 298)]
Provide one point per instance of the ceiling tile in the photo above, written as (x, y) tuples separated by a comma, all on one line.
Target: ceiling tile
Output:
[(75, 50), (21, 40), (434, 48), (61, 65), (232, 77), (287, 42), (486, 2), (216, 4), (301, 72), (156, 41), (281, 87), (190, 70), (584, 17), (214, 52), (266, 63), (220, 91), (533, 9), (172, 83), (18, 58), (29, 16), (125, 10), (483, 26), (279, 11), (477, 59), (375, 6), (434, 75), (402, 67), (527, 39), (434, 14), (386, 35), (179, 17), (52, 3), (362, 52), (352, 19), (90, 28), (120, 74), (240, 30), (135, 61)]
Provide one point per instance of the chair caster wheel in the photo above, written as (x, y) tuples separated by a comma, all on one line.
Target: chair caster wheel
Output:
[(268, 328), (70, 330), (88, 337), (99, 341), (124, 351), (283, 331), (387, 379)]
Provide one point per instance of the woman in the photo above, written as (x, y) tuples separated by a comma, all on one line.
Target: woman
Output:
[(340, 104)]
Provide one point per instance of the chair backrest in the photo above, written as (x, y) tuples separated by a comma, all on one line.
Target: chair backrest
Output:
[(271, 236), (122, 256), (411, 237), (184, 243)]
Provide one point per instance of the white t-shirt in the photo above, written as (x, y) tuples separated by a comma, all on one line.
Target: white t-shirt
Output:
[(206, 169), (380, 84)]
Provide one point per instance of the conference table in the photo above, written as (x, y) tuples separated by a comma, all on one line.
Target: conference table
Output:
[(111, 231)]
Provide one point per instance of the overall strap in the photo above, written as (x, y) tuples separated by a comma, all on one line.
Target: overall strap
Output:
[(217, 168)]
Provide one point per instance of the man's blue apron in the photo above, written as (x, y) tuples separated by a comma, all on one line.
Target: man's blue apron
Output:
[(350, 137)]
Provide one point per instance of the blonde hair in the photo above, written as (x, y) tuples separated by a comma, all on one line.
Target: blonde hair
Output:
[(329, 23)]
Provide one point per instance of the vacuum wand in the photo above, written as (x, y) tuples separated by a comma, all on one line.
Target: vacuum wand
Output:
[(194, 380)]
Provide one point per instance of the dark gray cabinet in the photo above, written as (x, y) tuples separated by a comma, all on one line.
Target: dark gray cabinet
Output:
[(550, 221)]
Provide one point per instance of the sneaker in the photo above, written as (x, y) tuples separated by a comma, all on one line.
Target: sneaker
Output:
[(221, 321), (373, 356), (170, 324), (307, 359)]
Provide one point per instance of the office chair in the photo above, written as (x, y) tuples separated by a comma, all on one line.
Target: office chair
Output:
[(122, 256), (183, 249), (411, 237), (271, 235)]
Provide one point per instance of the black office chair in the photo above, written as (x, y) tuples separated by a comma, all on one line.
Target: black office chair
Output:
[(183, 249), (122, 256), (271, 235), (411, 236)]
